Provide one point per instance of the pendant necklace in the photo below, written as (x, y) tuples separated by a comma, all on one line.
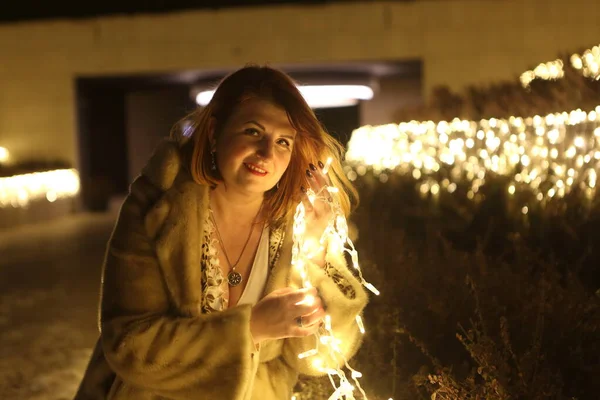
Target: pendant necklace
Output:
[(234, 278)]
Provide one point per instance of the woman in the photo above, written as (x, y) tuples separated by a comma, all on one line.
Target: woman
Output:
[(199, 300)]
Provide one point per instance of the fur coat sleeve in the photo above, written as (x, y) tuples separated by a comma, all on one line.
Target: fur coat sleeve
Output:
[(151, 337)]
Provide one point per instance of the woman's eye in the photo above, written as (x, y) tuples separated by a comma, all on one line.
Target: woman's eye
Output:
[(252, 131), (284, 142)]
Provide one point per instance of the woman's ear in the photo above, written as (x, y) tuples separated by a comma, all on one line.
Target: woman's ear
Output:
[(212, 139)]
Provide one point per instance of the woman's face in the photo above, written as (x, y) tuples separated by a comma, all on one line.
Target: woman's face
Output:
[(254, 148)]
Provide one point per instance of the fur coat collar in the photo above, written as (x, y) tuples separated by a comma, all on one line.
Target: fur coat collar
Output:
[(179, 260)]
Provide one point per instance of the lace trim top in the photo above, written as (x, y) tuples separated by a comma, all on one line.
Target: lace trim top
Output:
[(215, 287), (214, 297), (341, 282)]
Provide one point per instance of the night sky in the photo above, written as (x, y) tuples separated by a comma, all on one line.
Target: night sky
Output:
[(16, 10)]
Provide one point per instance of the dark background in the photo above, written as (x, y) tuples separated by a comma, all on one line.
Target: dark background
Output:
[(11, 11)]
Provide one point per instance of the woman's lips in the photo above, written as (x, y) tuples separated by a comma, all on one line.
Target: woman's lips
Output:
[(255, 169)]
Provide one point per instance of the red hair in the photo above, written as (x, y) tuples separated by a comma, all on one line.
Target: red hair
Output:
[(312, 142)]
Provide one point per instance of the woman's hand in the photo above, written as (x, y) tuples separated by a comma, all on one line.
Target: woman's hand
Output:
[(318, 204), (286, 313)]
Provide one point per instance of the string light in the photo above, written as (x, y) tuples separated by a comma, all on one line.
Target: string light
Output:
[(548, 156), (588, 63), (335, 236), (19, 190), (552, 70)]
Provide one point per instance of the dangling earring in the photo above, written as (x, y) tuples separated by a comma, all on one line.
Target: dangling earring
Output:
[(277, 186), (213, 166)]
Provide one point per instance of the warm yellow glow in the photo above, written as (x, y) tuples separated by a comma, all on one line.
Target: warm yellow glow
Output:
[(317, 96), (19, 190), (546, 71), (309, 353), (534, 153), (328, 322), (372, 288), (326, 169), (588, 62), (308, 300), (312, 247), (333, 240), (4, 155), (356, 374), (317, 363), (359, 322)]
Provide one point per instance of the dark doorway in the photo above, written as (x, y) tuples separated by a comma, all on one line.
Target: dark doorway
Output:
[(102, 142), (340, 121), (120, 121)]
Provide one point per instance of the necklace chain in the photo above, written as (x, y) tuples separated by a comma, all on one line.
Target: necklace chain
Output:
[(234, 277)]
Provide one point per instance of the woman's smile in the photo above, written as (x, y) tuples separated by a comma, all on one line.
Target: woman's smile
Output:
[(254, 169), (254, 147)]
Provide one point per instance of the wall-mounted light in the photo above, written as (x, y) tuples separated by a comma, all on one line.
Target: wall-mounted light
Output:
[(317, 96), (4, 155)]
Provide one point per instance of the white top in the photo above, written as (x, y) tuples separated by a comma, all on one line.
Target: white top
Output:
[(258, 274)]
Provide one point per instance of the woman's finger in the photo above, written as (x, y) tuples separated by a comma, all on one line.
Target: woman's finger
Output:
[(303, 295), (313, 318), (308, 205), (311, 178), (320, 182), (308, 324), (304, 310), (321, 177), (284, 290)]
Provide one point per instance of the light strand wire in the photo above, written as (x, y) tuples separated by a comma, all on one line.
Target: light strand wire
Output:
[(334, 239)]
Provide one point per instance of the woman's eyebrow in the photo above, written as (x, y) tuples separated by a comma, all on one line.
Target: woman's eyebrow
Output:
[(255, 123), (293, 137)]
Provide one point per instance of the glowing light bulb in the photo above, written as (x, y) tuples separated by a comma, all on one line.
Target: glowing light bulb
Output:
[(4, 155)]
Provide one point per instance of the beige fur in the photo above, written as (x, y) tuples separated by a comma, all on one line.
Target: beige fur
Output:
[(155, 342)]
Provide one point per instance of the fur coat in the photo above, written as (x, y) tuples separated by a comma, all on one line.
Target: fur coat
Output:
[(156, 343)]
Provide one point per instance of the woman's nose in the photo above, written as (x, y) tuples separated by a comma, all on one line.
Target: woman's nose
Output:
[(265, 149)]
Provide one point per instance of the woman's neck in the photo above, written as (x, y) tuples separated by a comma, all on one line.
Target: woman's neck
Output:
[(232, 207)]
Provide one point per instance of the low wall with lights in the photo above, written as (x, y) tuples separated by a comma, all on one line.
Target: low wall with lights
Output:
[(542, 157), (38, 196)]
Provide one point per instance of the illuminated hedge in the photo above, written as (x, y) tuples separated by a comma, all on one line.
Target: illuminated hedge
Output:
[(17, 191), (546, 156)]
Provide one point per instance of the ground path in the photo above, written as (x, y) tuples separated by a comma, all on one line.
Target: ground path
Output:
[(49, 284)]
